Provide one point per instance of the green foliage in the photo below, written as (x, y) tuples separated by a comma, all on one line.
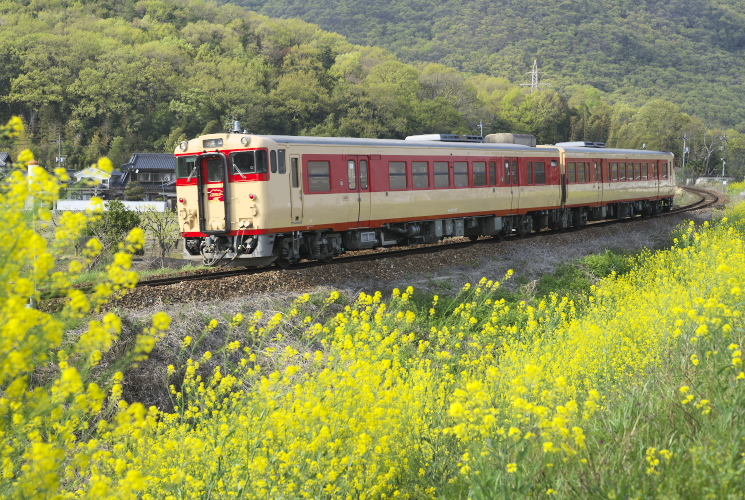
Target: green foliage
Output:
[(134, 191), (577, 278), (683, 52), (112, 227), (163, 228), (118, 77)]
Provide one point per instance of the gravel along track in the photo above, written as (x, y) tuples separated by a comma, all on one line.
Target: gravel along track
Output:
[(439, 272)]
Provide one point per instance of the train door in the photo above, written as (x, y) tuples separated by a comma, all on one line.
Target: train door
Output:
[(358, 186), (511, 178), (596, 169), (296, 191), (215, 209)]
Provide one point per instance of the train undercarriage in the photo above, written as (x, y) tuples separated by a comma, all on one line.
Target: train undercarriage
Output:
[(287, 249)]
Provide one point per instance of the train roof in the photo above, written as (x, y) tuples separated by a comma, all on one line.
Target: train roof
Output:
[(611, 151), (350, 141), (427, 142)]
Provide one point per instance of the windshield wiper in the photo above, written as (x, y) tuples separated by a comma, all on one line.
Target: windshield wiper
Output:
[(235, 167), (192, 172)]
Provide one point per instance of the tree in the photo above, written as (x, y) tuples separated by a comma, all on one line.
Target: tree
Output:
[(112, 227), (163, 228), (543, 113), (118, 151), (134, 191)]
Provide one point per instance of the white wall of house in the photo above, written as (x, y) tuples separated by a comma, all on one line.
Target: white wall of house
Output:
[(138, 206)]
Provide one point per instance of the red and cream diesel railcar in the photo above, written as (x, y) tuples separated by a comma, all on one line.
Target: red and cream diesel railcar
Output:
[(252, 200)]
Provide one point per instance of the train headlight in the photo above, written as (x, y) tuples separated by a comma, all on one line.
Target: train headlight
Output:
[(245, 140), (183, 145)]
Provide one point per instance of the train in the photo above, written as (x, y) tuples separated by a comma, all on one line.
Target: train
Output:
[(253, 200)]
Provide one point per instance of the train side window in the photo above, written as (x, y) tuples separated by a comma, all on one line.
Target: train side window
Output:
[(515, 173), (506, 178), (571, 172), (664, 170), (420, 173), (460, 169), (281, 165), (530, 172), (614, 172), (363, 174), (442, 174), (645, 171), (581, 172), (637, 171), (273, 155), (479, 173), (186, 166), (215, 170), (352, 174), (397, 175), (539, 170), (656, 170), (294, 172), (598, 173), (493, 173), (319, 176), (622, 172)]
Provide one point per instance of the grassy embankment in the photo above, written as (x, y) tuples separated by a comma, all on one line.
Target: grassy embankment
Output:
[(634, 389)]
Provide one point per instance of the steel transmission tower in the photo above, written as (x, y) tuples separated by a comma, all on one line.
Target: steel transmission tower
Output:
[(534, 79)]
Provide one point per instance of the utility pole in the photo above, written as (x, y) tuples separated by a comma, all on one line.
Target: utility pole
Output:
[(724, 155), (685, 151), (60, 160), (481, 127)]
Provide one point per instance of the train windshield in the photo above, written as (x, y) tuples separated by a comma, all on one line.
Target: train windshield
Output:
[(186, 166), (248, 162)]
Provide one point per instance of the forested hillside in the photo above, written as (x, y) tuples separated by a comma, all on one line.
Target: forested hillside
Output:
[(117, 77), (686, 51)]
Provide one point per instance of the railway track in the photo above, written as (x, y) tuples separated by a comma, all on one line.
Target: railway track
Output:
[(707, 199)]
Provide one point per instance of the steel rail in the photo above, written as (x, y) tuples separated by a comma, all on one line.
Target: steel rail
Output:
[(708, 198)]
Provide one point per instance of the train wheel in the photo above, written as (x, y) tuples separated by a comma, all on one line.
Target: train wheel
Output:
[(524, 225), (473, 237), (282, 263), (327, 259)]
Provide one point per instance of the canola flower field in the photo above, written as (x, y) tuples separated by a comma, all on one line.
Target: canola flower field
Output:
[(633, 391)]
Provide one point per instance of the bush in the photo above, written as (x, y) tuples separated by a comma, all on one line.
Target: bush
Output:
[(111, 228), (53, 418)]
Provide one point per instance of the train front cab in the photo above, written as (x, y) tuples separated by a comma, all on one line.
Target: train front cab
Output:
[(219, 194)]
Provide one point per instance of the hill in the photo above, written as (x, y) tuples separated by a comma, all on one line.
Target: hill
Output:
[(685, 51), (93, 77)]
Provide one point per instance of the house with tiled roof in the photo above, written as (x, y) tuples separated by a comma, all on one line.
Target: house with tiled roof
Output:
[(155, 172)]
